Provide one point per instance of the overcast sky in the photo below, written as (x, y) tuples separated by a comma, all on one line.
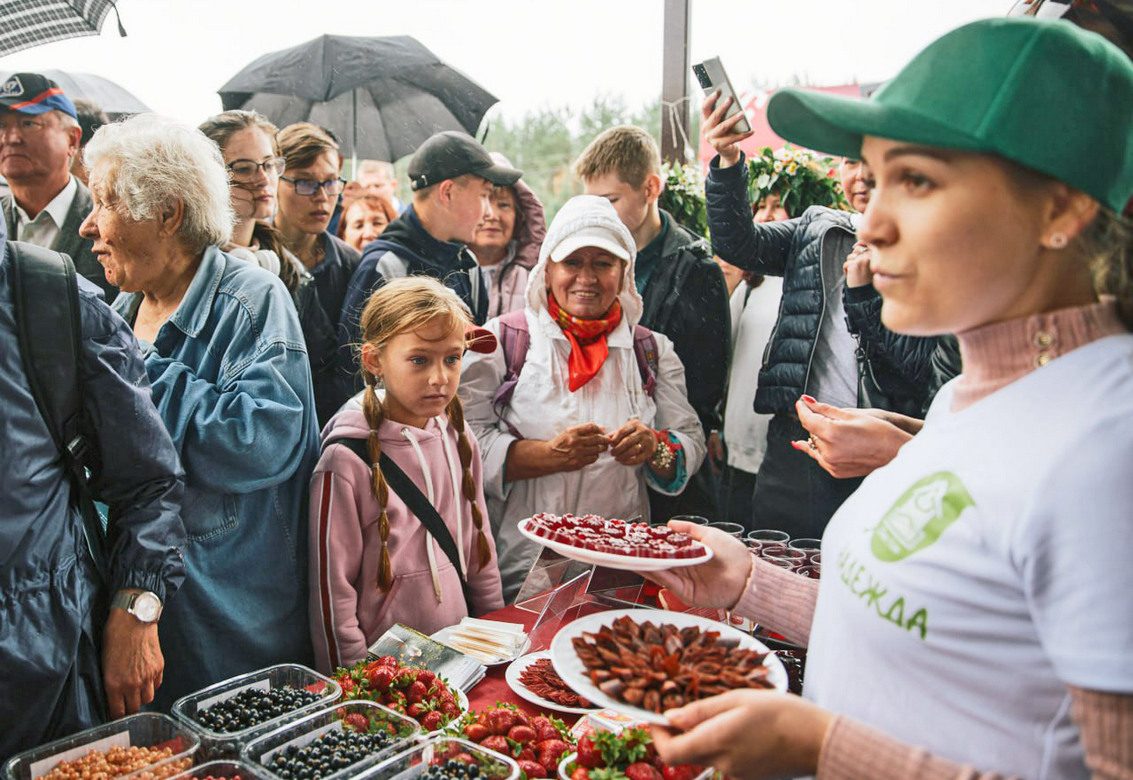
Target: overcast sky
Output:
[(529, 53)]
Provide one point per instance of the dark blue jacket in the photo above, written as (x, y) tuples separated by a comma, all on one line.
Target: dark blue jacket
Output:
[(404, 248), (794, 249), (52, 604), (320, 306)]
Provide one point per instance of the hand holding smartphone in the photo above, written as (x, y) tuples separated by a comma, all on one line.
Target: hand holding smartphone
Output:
[(712, 77)]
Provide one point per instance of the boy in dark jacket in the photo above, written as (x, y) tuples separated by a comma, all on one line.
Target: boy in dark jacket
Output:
[(683, 289)]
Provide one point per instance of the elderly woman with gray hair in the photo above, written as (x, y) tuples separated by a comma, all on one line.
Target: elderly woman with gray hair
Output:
[(225, 356)]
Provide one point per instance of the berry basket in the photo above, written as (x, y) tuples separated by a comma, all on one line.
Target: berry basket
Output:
[(336, 742), (440, 751), (221, 770), (146, 730), (217, 743)]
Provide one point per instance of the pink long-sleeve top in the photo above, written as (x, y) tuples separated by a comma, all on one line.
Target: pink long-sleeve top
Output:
[(348, 609)]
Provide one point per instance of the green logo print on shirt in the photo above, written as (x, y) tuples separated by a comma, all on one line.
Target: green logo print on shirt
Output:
[(919, 516)]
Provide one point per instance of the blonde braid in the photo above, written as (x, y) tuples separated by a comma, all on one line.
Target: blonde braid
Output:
[(456, 416), (374, 412)]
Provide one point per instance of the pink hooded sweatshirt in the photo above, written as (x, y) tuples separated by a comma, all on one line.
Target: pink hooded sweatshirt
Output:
[(348, 609)]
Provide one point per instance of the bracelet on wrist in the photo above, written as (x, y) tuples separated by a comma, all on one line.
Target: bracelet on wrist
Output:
[(665, 454)]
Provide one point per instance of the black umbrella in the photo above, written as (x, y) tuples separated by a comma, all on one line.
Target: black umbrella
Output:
[(30, 23), (382, 96)]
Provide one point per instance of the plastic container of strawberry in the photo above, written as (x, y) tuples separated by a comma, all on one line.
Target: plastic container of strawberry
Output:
[(621, 751), (435, 753), (146, 729), (506, 729), (366, 716), (222, 770), (389, 683), (218, 744)]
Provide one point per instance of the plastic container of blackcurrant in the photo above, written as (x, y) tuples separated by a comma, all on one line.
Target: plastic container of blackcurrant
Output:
[(335, 742), (231, 713), (445, 758), (222, 770), (145, 730)]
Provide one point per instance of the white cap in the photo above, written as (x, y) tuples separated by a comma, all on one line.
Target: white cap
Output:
[(588, 220)]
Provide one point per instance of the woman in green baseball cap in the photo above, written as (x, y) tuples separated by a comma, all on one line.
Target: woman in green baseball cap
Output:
[(975, 619)]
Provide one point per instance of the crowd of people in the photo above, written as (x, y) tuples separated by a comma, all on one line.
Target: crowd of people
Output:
[(308, 410)]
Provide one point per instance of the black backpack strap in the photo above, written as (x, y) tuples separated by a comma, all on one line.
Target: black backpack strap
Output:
[(45, 294), (400, 483)]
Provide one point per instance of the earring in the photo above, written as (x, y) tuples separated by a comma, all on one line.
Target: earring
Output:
[(1058, 241)]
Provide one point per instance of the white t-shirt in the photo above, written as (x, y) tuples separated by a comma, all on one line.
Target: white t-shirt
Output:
[(44, 229), (753, 319), (988, 567)]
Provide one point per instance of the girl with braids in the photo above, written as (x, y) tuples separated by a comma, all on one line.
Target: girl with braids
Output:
[(373, 562), (252, 158)]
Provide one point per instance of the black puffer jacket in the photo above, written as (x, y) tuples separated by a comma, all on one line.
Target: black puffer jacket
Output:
[(908, 369), (797, 250), (687, 300)]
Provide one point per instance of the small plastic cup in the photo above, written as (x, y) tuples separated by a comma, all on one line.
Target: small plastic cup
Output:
[(734, 530), (806, 545), (787, 558), (694, 519), (757, 540), (816, 559), (810, 572)]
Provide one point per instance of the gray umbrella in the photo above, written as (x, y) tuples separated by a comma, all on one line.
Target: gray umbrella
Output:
[(381, 96), (104, 93)]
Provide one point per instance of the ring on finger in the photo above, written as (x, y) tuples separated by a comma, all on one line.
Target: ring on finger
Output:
[(812, 443)]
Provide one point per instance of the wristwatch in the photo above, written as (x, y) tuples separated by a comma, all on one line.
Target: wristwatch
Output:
[(145, 606)]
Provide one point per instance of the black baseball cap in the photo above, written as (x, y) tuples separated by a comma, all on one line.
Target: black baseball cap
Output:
[(450, 154), (31, 93)]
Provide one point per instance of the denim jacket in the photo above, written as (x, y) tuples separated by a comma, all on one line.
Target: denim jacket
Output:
[(232, 382), (52, 603)]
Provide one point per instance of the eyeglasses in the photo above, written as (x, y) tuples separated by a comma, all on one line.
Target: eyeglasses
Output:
[(246, 169), (1046, 9), (26, 125), (309, 187)]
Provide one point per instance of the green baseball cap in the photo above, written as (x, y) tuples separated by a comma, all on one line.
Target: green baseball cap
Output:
[(1045, 94)]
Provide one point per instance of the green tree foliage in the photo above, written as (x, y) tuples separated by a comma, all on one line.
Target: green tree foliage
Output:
[(545, 143)]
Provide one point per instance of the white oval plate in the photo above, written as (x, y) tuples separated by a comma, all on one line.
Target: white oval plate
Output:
[(571, 669), (443, 635), (612, 560), (512, 676)]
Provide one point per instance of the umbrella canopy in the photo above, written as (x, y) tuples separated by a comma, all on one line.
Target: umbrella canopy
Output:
[(382, 96), (107, 95), (30, 23)]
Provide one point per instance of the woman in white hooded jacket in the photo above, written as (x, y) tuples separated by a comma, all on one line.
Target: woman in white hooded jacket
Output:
[(581, 431)]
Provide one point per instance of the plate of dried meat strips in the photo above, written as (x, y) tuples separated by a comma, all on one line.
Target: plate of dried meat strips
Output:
[(645, 661), (533, 677)]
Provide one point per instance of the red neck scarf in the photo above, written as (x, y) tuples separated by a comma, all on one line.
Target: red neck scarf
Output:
[(588, 347)]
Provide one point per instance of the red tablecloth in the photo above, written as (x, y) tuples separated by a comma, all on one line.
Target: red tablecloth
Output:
[(494, 688)]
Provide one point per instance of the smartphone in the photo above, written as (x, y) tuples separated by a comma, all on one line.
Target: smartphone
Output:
[(712, 77)]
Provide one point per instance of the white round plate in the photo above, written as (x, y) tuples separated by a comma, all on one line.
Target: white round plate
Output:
[(443, 635), (512, 676), (570, 667), (612, 560)]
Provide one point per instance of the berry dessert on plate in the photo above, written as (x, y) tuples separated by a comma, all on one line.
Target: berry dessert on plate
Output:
[(614, 543)]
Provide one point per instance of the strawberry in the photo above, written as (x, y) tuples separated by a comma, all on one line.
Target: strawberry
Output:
[(380, 679), (532, 769), (415, 711), (427, 677), (450, 709), (550, 751), (683, 772), (357, 721), (521, 734), (580, 773), (588, 754), (639, 770), (497, 743), (476, 732), (464, 758), (527, 754), (500, 721), (416, 692), (316, 687), (544, 729), (432, 721)]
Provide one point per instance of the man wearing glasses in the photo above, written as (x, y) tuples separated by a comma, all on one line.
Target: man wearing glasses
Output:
[(39, 138)]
